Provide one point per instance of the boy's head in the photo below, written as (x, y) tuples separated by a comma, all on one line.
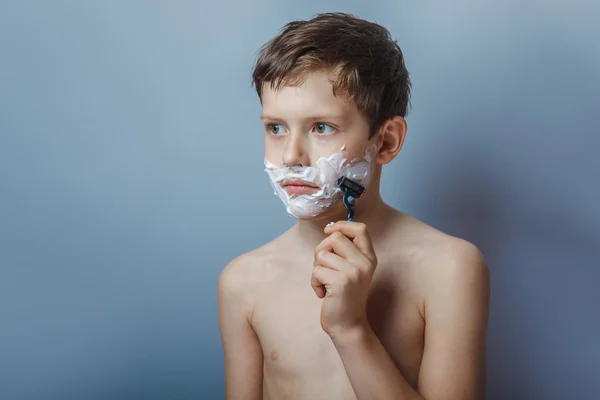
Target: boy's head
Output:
[(369, 64), (330, 82)]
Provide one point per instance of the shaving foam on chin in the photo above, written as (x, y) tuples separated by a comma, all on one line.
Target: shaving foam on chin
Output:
[(325, 175)]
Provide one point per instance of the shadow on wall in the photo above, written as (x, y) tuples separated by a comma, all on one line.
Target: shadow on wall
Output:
[(542, 341), (520, 182)]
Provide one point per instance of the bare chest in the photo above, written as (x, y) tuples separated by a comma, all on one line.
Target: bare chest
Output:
[(300, 359)]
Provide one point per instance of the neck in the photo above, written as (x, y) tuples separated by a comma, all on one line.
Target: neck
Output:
[(370, 210)]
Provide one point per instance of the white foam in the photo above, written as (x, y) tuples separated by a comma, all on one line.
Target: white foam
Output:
[(325, 175)]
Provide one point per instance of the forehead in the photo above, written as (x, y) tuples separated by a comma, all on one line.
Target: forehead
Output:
[(313, 96)]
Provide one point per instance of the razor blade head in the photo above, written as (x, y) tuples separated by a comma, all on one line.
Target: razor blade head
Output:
[(354, 189)]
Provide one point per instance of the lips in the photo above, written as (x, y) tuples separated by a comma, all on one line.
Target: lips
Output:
[(298, 182), (298, 186)]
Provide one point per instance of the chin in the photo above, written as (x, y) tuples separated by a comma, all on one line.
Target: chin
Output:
[(335, 212)]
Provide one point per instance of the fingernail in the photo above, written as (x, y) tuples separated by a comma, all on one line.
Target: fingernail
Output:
[(329, 224)]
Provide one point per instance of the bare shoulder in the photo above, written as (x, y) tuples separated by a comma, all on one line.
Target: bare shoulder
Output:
[(451, 280), (246, 272), (438, 258)]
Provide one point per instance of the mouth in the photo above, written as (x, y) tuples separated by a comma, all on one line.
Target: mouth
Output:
[(298, 187)]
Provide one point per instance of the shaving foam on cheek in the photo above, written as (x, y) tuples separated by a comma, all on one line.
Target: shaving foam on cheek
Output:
[(325, 175)]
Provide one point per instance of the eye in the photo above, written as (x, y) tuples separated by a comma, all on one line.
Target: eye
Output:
[(275, 129), (323, 128)]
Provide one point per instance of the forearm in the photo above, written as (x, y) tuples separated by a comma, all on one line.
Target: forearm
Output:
[(370, 368)]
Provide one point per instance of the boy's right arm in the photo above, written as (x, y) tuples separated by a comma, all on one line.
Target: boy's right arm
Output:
[(241, 347)]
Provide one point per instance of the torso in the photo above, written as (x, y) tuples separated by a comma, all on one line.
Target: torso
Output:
[(300, 360)]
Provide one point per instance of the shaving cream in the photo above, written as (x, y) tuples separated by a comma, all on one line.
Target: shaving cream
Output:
[(325, 175)]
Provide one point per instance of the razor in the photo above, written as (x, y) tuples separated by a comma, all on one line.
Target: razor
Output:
[(351, 191)]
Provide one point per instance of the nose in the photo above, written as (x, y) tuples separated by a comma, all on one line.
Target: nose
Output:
[(295, 152)]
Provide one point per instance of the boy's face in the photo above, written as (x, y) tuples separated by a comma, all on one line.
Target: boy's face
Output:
[(306, 122), (306, 126)]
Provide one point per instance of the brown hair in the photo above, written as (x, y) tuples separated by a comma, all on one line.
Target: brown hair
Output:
[(369, 63)]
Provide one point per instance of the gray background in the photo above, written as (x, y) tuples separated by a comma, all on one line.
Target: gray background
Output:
[(131, 173)]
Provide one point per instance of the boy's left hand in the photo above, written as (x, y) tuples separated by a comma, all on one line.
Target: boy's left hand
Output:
[(343, 270)]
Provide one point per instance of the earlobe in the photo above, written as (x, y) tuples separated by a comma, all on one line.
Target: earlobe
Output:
[(391, 139)]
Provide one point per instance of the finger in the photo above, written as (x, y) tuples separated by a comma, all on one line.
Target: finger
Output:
[(357, 232), (330, 260), (322, 280), (340, 245)]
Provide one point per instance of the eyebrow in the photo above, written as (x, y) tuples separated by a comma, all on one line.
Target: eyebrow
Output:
[(324, 117)]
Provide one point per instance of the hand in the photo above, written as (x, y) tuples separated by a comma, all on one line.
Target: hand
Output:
[(342, 274)]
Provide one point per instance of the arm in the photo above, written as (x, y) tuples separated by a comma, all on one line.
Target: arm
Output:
[(370, 368), (453, 365), (454, 361), (242, 350)]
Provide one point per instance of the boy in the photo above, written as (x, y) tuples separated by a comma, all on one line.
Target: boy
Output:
[(382, 307)]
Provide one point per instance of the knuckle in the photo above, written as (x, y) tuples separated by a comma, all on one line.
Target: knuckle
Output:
[(320, 248), (352, 275), (318, 256), (316, 273), (336, 235)]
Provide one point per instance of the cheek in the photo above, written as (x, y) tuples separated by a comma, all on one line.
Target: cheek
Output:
[(356, 145), (354, 142), (273, 151), (320, 148)]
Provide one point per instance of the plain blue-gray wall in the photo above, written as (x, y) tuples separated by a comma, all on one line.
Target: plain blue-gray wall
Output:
[(131, 173)]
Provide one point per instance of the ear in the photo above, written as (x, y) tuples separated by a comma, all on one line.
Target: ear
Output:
[(390, 139)]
